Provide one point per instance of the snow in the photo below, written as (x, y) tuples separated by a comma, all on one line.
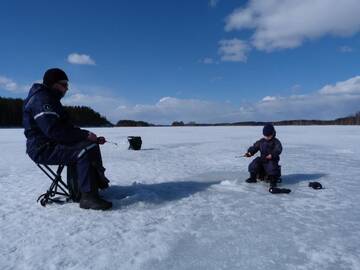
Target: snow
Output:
[(187, 206)]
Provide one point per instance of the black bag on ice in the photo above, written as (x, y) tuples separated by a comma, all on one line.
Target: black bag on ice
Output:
[(276, 190), (315, 185), (135, 142)]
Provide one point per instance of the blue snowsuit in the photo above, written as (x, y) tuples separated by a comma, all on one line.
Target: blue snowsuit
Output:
[(52, 139), (271, 167)]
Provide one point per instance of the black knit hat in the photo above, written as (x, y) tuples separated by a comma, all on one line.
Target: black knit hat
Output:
[(268, 130), (53, 75)]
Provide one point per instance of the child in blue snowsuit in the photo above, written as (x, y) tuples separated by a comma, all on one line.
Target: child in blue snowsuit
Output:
[(270, 149)]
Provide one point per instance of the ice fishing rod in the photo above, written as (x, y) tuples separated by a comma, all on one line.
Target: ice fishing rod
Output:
[(102, 140), (114, 143), (244, 155)]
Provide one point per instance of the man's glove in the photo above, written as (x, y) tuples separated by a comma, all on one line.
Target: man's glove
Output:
[(101, 140), (248, 154)]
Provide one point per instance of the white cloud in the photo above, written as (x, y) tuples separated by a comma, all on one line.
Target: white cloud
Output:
[(10, 85), (318, 105), (346, 49), (98, 98), (314, 106), (294, 107), (105, 105), (268, 98), (350, 87), (329, 102), (80, 59), (281, 24), (169, 109), (233, 50)]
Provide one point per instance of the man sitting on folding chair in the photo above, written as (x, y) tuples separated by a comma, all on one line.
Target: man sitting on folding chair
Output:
[(52, 139)]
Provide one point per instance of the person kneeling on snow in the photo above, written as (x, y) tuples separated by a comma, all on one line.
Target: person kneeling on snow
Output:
[(270, 149), (52, 139)]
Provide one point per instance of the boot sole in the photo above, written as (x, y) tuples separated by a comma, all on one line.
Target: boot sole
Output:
[(95, 208)]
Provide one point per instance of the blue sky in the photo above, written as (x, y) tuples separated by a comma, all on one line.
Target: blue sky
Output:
[(204, 61)]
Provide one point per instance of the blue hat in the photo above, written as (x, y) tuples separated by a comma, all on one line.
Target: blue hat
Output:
[(268, 130)]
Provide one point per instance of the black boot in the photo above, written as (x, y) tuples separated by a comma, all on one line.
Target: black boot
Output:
[(273, 181), (91, 200), (252, 178)]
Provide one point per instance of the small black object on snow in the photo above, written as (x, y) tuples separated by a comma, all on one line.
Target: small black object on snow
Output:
[(315, 185), (275, 190), (134, 142)]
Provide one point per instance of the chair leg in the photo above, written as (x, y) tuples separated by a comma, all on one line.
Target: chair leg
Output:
[(57, 187)]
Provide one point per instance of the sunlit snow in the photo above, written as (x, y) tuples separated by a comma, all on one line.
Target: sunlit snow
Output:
[(187, 206)]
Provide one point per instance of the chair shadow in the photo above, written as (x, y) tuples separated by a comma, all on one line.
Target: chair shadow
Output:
[(300, 177), (149, 149), (155, 193)]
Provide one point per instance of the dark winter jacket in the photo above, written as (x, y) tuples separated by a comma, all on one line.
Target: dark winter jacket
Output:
[(46, 121), (265, 147)]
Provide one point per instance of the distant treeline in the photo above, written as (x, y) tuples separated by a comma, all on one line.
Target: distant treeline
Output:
[(132, 123), (85, 116), (350, 120), (11, 114)]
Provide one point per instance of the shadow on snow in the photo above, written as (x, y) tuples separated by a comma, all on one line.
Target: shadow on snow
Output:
[(159, 193), (301, 177), (156, 193)]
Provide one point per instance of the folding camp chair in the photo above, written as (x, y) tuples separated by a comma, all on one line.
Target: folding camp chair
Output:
[(57, 187)]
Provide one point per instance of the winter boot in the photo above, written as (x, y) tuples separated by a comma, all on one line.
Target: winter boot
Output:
[(252, 178), (273, 181), (92, 200), (89, 200)]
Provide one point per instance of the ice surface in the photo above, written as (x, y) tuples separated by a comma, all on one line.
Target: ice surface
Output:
[(182, 203)]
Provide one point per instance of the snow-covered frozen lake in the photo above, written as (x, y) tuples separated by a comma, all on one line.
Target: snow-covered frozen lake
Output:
[(187, 205)]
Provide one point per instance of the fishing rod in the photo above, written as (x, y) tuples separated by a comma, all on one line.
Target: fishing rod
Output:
[(241, 156), (114, 143)]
